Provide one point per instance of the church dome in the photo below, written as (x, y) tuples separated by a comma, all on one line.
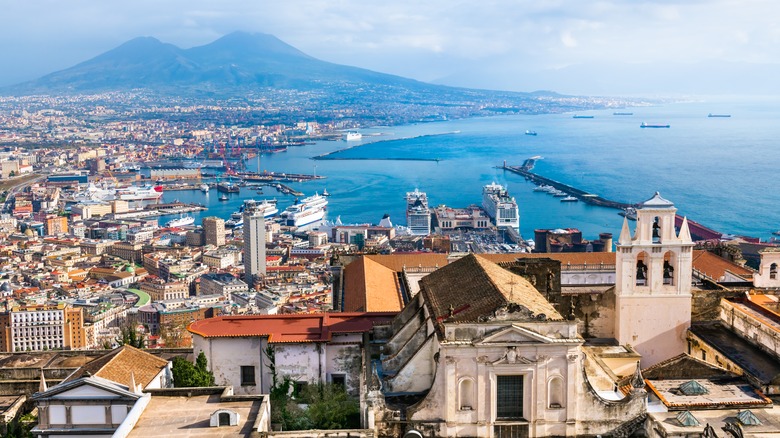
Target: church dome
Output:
[(5, 287)]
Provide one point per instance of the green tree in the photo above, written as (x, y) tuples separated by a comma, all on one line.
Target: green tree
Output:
[(130, 336), (330, 407), (189, 375)]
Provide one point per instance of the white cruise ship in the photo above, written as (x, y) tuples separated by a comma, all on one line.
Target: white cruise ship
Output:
[(237, 218), (182, 221), (500, 206), (307, 211), (94, 192), (418, 216)]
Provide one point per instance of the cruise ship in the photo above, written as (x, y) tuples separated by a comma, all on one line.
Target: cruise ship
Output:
[(129, 193), (500, 206), (307, 211), (182, 221), (418, 216), (237, 219)]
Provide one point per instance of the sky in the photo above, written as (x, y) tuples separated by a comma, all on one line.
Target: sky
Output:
[(575, 47)]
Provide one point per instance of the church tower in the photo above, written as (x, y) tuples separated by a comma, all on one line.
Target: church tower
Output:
[(653, 283)]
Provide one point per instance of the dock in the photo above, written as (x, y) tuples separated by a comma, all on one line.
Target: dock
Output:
[(697, 230)]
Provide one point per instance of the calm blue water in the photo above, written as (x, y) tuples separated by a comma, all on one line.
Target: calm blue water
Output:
[(721, 172)]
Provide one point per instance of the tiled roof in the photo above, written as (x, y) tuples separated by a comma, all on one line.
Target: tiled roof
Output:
[(315, 327), (473, 287), (716, 267), (397, 262), (119, 363), (371, 287), (573, 258)]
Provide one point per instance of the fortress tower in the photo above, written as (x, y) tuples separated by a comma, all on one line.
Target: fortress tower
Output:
[(653, 284)]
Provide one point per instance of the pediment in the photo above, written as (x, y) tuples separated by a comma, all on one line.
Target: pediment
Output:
[(514, 335), (87, 391)]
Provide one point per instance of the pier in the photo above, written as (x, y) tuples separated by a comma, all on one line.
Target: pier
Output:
[(697, 230)]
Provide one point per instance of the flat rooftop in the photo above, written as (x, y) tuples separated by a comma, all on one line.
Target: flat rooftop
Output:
[(182, 416)]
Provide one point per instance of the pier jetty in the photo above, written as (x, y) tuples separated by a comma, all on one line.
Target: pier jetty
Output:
[(697, 230)]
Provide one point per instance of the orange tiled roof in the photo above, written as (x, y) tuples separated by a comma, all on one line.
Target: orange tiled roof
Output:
[(313, 327), (371, 287), (119, 363), (397, 262), (716, 267)]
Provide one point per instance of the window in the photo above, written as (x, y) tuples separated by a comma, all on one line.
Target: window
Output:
[(338, 379), (298, 388), (247, 376), (509, 397), (773, 271)]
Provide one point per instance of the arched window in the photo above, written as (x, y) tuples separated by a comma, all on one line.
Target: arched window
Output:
[(657, 230), (555, 393), (669, 262), (466, 394), (773, 271), (641, 269)]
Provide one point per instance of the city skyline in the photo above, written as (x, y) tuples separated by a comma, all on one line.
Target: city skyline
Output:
[(610, 47)]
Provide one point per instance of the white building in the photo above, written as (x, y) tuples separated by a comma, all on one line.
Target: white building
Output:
[(653, 283), (254, 242)]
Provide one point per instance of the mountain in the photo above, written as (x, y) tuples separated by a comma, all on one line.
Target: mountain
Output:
[(230, 65)]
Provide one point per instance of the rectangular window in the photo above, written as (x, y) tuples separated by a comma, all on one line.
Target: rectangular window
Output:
[(298, 388), (338, 379), (509, 397), (247, 376)]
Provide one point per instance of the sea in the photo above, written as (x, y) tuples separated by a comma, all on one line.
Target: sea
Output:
[(719, 171)]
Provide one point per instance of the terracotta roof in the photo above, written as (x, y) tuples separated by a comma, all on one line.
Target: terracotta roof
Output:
[(716, 267), (684, 366), (119, 363), (315, 327), (397, 262), (371, 287), (473, 287)]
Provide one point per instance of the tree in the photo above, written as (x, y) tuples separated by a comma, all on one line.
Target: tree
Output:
[(130, 336), (330, 407), (189, 375)]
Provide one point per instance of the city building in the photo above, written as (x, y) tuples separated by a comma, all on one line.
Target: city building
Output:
[(214, 228), (222, 284), (472, 217), (254, 242), (159, 289), (42, 327)]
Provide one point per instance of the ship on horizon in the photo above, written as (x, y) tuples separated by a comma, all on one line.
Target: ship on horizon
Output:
[(653, 125), (718, 115)]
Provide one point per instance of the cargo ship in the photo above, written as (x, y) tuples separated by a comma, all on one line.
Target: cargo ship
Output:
[(653, 125), (227, 187), (582, 117)]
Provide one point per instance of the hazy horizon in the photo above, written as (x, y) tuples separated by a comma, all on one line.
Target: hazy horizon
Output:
[(604, 48)]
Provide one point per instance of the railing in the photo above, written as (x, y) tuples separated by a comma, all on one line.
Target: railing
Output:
[(589, 267)]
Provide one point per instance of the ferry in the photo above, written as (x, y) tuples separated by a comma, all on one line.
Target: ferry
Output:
[(129, 193), (204, 188), (353, 136), (569, 199), (307, 211), (718, 115), (500, 206), (652, 125), (182, 221), (527, 132)]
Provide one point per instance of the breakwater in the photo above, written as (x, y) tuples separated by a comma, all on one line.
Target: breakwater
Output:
[(331, 155)]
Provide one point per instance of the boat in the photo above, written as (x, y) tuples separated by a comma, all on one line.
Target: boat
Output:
[(306, 211), (653, 125), (237, 218), (259, 191), (228, 187), (500, 206), (629, 213), (559, 194), (353, 136), (569, 199), (204, 188), (325, 192), (223, 197), (95, 192), (582, 117), (718, 115), (776, 233), (543, 188), (418, 216), (622, 114), (182, 221), (527, 132)]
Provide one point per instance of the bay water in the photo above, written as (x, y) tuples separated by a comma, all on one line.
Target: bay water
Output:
[(719, 171)]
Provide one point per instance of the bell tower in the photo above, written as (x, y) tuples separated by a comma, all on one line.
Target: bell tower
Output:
[(653, 283)]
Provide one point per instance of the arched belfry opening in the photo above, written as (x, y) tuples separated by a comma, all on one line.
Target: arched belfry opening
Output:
[(656, 229), (641, 268), (670, 260)]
